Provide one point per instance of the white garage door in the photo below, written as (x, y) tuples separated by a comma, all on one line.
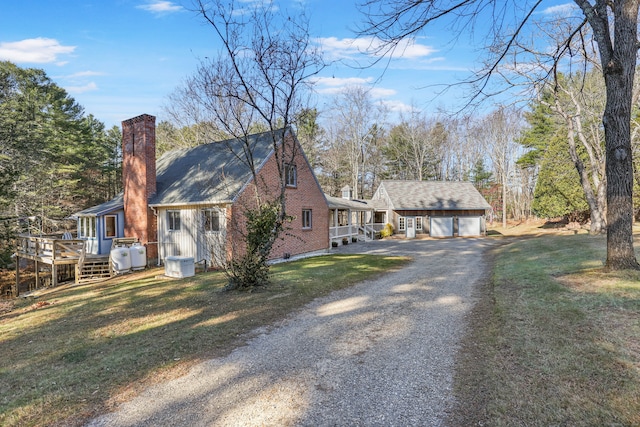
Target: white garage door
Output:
[(441, 226), (469, 226)]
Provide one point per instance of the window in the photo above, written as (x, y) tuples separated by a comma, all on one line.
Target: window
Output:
[(306, 218), (401, 224), (418, 223), (87, 226), (291, 175), (211, 220), (110, 226), (173, 220)]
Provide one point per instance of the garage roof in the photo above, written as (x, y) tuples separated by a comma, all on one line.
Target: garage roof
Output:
[(433, 195)]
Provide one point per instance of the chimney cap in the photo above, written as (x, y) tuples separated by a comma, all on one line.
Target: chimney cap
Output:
[(140, 118)]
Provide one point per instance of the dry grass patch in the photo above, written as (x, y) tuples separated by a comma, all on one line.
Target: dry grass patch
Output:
[(556, 341), (78, 350)]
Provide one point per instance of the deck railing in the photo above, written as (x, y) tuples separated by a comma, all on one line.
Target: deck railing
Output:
[(49, 247)]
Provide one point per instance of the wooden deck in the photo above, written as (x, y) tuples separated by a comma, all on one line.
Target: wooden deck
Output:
[(50, 250), (56, 252)]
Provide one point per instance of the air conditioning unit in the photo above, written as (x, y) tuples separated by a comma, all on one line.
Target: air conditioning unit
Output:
[(179, 267)]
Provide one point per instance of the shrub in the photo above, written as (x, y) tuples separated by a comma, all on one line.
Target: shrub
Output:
[(386, 231)]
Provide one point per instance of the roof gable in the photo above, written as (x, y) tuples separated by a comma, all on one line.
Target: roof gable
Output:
[(209, 173), (433, 195)]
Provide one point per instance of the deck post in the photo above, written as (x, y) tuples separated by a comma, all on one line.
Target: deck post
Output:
[(54, 275), (37, 270)]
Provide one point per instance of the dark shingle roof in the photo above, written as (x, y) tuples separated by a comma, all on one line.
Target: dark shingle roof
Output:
[(209, 173), (434, 195), (115, 204)]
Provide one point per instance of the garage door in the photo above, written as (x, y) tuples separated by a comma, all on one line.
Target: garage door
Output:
[(441, 226), (469, 226)]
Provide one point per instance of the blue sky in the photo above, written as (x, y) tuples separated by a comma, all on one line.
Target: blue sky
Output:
[(122, 58)]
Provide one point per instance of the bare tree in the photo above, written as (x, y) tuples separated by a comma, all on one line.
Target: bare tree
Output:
[(497, 133), (460, 150), (614, 25), (258, 82), (415, 146), (358, 119)]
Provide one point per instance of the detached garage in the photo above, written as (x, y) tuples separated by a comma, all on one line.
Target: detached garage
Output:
[(433, 208)]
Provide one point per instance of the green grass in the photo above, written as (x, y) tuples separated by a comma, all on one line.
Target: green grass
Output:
[(556, 341), (79, 350)]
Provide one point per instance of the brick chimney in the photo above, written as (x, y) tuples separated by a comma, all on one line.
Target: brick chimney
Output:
[(139, 180)]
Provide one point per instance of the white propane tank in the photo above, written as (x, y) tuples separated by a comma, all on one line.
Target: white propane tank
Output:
[(138, 254), (121, 259)]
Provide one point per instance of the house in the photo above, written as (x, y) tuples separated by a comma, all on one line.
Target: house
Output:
[(433, 208), (190, 202)]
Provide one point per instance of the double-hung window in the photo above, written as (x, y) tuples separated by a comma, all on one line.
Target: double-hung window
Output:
[(306, 219), (418, 223), (402, 224), (211, 220), (173, 220)]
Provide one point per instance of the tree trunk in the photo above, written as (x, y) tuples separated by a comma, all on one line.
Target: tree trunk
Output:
[(619, 69)]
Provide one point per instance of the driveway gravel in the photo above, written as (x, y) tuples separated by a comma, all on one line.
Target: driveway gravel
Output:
[(380, 353)]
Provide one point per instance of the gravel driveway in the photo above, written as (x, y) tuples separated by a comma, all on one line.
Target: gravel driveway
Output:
[(377, 354)]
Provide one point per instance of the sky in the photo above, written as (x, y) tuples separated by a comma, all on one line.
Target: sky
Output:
[(122, 58)]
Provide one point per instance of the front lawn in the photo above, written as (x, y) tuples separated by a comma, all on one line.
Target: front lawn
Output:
[(77, 351)]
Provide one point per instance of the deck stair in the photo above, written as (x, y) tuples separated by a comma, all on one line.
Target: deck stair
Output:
[(93, 269)]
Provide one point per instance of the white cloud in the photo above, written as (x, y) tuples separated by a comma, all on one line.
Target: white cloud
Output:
[(39, 50), (380, 92), (350, 47), (335, 85), (398, 106), (160, 7), (89, 87), (561, 9)]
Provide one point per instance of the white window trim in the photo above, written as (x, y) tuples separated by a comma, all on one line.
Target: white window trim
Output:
[(419, 223), (87, 227), (115, 226), (402, 224)]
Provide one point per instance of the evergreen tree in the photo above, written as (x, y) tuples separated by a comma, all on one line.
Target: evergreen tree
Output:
[(54, 160), (557, 192)]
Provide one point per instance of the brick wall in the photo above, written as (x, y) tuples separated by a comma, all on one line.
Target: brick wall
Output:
[(307, 194), (139, 180)]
